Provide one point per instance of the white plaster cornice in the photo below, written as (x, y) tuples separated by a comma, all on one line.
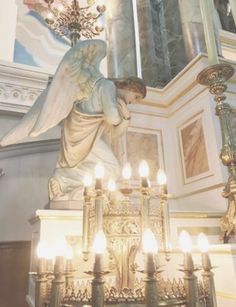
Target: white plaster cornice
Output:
[(20, 85), (28, 148), (183, 84)]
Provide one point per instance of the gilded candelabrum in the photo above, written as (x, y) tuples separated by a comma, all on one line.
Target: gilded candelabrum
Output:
[(215, 78)]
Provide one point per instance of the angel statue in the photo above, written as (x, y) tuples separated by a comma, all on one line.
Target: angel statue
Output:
[(93, 111)]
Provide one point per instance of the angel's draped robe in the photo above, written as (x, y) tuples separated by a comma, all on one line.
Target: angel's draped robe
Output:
[(86, 136)]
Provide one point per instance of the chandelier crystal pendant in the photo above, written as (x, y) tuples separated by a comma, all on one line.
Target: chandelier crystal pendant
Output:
[(69, 19)]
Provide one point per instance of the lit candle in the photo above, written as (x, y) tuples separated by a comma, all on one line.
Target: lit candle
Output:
[(186, 246), (99, 248), (111, 186), (87, 185), (99, 174), (60, 249), (207, 10), (203, 245), (69, 254), (126, 172), (144, 173), (41, 252), (161, 180), (207, 275), (150, 248)]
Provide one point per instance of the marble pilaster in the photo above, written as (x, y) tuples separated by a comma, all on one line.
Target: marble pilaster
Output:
[(192, 27), (121, 53), (161, 41)]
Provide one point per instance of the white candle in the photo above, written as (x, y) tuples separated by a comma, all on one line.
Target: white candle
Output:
[(99, 248), (144, 172), (186, 246), (207, 9)]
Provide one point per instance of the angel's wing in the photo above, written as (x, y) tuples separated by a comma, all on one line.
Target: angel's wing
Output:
[(23, 129), (79, 66)]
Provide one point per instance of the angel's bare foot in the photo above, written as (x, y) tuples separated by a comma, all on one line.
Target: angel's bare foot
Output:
[(54, 188)]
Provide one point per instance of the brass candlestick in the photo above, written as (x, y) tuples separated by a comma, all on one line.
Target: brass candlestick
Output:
[(215, 78)]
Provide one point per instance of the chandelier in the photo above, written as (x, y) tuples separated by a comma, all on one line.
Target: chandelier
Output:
[(69, 19)]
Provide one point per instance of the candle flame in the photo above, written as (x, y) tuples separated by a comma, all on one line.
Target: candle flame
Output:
[(100, 243), (41, 249), (60, 246), (203, 243), (127, 171), (185, 241), (87, 180), (69, 254), (149, 242), (143, 169), (49, 16), (99, 171), (161, 177), (111, 185)]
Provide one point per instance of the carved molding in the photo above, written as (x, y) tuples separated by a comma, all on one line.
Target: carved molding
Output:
[(20, 85), (29, 148)]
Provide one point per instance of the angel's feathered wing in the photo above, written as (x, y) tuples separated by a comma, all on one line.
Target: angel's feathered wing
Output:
[(78, 66)]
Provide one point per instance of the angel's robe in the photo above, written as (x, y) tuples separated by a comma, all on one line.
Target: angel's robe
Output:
[(84, 137)]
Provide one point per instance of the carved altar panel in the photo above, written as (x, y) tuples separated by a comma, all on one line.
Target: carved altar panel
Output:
[(193, 149)]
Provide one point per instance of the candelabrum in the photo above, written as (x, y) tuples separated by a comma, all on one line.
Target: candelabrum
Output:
[(118, 228), (68, 19), (215, 78)]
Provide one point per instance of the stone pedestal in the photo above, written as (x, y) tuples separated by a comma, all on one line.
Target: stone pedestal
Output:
[(48, 226)]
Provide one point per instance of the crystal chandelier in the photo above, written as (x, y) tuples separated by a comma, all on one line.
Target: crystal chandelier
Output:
[(71, 20)]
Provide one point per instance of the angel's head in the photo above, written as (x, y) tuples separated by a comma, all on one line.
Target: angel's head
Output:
[(130, 89)]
